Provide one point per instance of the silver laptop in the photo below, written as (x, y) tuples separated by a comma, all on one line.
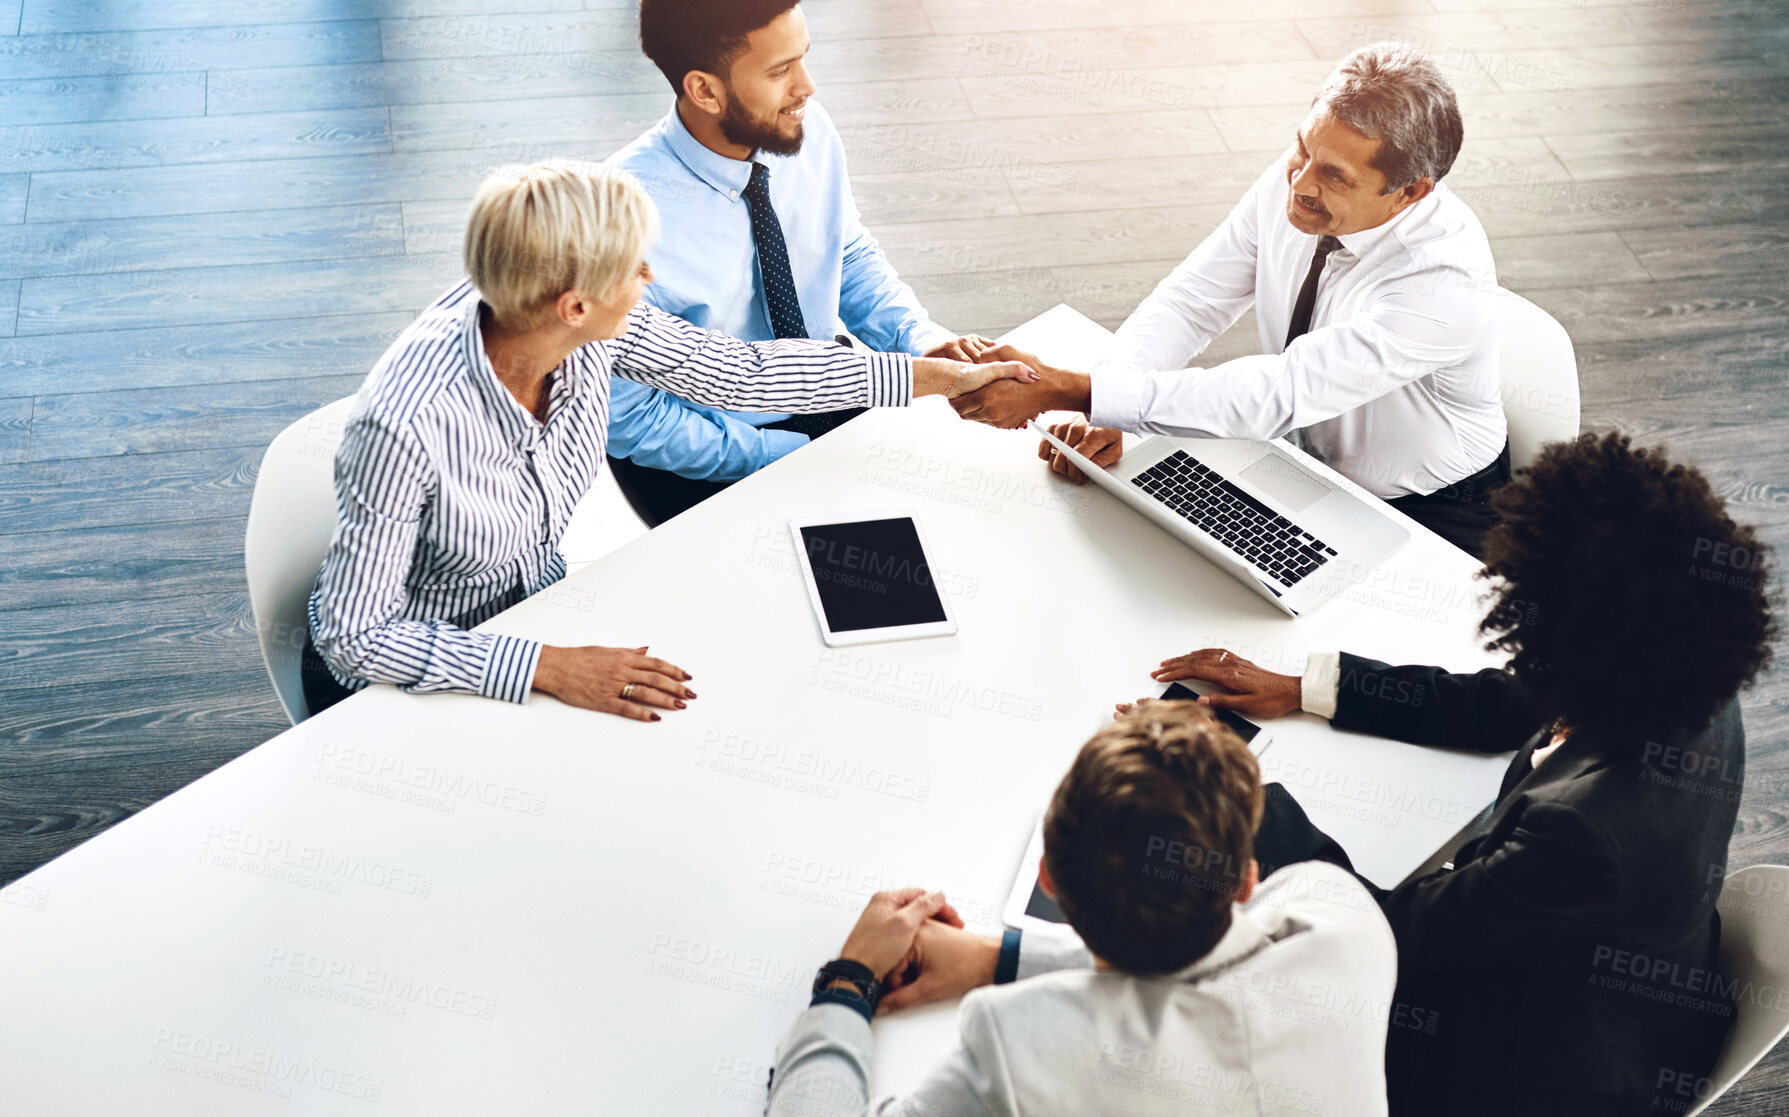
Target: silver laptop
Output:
[(1251, 508)]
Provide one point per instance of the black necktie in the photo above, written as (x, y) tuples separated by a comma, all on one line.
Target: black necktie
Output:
[(773, 258), (1307, 295)]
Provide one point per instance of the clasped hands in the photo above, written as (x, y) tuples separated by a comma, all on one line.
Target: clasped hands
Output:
[(1013, 387)]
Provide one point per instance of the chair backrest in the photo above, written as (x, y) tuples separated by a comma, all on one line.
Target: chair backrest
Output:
[(1754, 908), (1540, 378), (289, 525)]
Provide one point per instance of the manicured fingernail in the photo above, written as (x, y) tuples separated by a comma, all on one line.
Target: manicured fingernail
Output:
[(680, 704), (688, 693), (655, 717)]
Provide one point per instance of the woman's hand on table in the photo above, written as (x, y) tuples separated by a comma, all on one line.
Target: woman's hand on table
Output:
[(1254, 690), (624, 681)]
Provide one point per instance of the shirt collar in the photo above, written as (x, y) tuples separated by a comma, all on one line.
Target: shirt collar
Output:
[(729, 176), (517, 425), (1361, 243), (1245, 936)]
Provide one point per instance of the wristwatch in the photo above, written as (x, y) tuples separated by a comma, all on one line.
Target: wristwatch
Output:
[(856, 973)]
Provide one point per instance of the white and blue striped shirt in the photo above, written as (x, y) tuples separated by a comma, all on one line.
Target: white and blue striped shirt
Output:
[(451, 498)]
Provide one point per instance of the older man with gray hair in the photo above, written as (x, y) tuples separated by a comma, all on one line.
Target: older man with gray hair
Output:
[(1373, 288)]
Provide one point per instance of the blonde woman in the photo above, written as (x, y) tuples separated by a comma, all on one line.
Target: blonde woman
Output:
[(485, 422)]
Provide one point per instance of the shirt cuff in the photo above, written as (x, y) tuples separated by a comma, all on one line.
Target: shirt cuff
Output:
[(847, 997), (926, 336), (1322, 679), (891, 379), (1117, 399), (1007, 968), (509, 672)]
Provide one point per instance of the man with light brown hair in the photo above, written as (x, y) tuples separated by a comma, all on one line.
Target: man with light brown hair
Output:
[(1181, 985)]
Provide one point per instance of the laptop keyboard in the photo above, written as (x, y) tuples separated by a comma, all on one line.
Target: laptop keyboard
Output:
[(1265, 538)]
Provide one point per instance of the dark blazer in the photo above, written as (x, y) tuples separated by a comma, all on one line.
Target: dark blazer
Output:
[(1569, 961)]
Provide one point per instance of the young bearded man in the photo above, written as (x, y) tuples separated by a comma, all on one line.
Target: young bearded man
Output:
[(762, 240)]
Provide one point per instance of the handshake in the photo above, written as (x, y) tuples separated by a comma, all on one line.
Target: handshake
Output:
[(1006, 387)]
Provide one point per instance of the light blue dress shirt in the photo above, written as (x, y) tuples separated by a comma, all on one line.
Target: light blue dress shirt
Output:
[(705, 271)]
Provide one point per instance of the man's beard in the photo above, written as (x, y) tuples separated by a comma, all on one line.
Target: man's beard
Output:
[(743, 130)]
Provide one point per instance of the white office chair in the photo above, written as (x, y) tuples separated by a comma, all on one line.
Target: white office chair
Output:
[(289, 525), (1754, 956), (1540, 378)]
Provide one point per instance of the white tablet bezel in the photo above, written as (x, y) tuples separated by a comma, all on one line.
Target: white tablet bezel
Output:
[(1025, 883), (945, 627)]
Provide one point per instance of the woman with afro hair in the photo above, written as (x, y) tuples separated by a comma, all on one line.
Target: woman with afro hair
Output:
[(1567, 961)]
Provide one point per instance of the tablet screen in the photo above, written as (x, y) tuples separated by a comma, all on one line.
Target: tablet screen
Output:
[(872, 574), (1244, 728)]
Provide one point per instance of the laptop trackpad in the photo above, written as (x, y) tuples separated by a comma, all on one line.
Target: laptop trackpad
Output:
[(1275, 475)]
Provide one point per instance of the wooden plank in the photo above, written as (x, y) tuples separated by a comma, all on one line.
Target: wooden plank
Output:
[(1530, 112), (1649, 312), (1127, 183), (88, 729), (567, 34), (9, 16), (429, 81), (1163, 234), (598, 126), (1017, 146), (75, 644), (1517, 201), (79, 493), (1677, 252), (13, 190), (132, 246), (189, 296), (176, 356), (927, 196), (1524, 263), (950, 17), (1496, 28), (1725, 378), (1699, 150), (15, 430), (189, 49), (123, 564), (85, 145), (9, 308), (153, 420), (1591, 65), (1069, 54), (995, 93), (44, 17), (112, 97)]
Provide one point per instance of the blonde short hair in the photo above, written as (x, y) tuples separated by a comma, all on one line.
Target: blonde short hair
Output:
[(536, 232)]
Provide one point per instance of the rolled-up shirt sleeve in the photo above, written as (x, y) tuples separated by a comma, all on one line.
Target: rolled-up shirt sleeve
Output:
[(382, 482), (794, 376), (1419, 324)]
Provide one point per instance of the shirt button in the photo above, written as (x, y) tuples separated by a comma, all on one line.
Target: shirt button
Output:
[(735, 193)]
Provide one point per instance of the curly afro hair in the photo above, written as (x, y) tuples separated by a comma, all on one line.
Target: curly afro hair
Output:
[(1631, 603)]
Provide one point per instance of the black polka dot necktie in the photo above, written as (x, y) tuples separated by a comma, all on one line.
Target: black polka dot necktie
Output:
[(1307, 295), (773, 258)]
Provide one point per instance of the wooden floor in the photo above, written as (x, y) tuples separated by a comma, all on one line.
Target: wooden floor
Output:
[(214, 217)]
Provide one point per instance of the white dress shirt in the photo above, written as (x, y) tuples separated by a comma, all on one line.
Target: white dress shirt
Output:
[(1396, 384), (1286, 1015)]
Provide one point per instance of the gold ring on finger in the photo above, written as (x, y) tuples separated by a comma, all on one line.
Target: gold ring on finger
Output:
[(627, 692)]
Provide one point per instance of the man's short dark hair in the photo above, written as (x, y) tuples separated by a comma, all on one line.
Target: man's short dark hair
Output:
[(706, 35), (1632, 604), (1150, 835)]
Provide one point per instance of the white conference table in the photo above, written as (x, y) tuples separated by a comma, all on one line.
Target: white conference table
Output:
[(444, 904)]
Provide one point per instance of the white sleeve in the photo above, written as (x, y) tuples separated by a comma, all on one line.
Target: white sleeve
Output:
[(1042, 950), (1416, 324), (1322, 679)]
